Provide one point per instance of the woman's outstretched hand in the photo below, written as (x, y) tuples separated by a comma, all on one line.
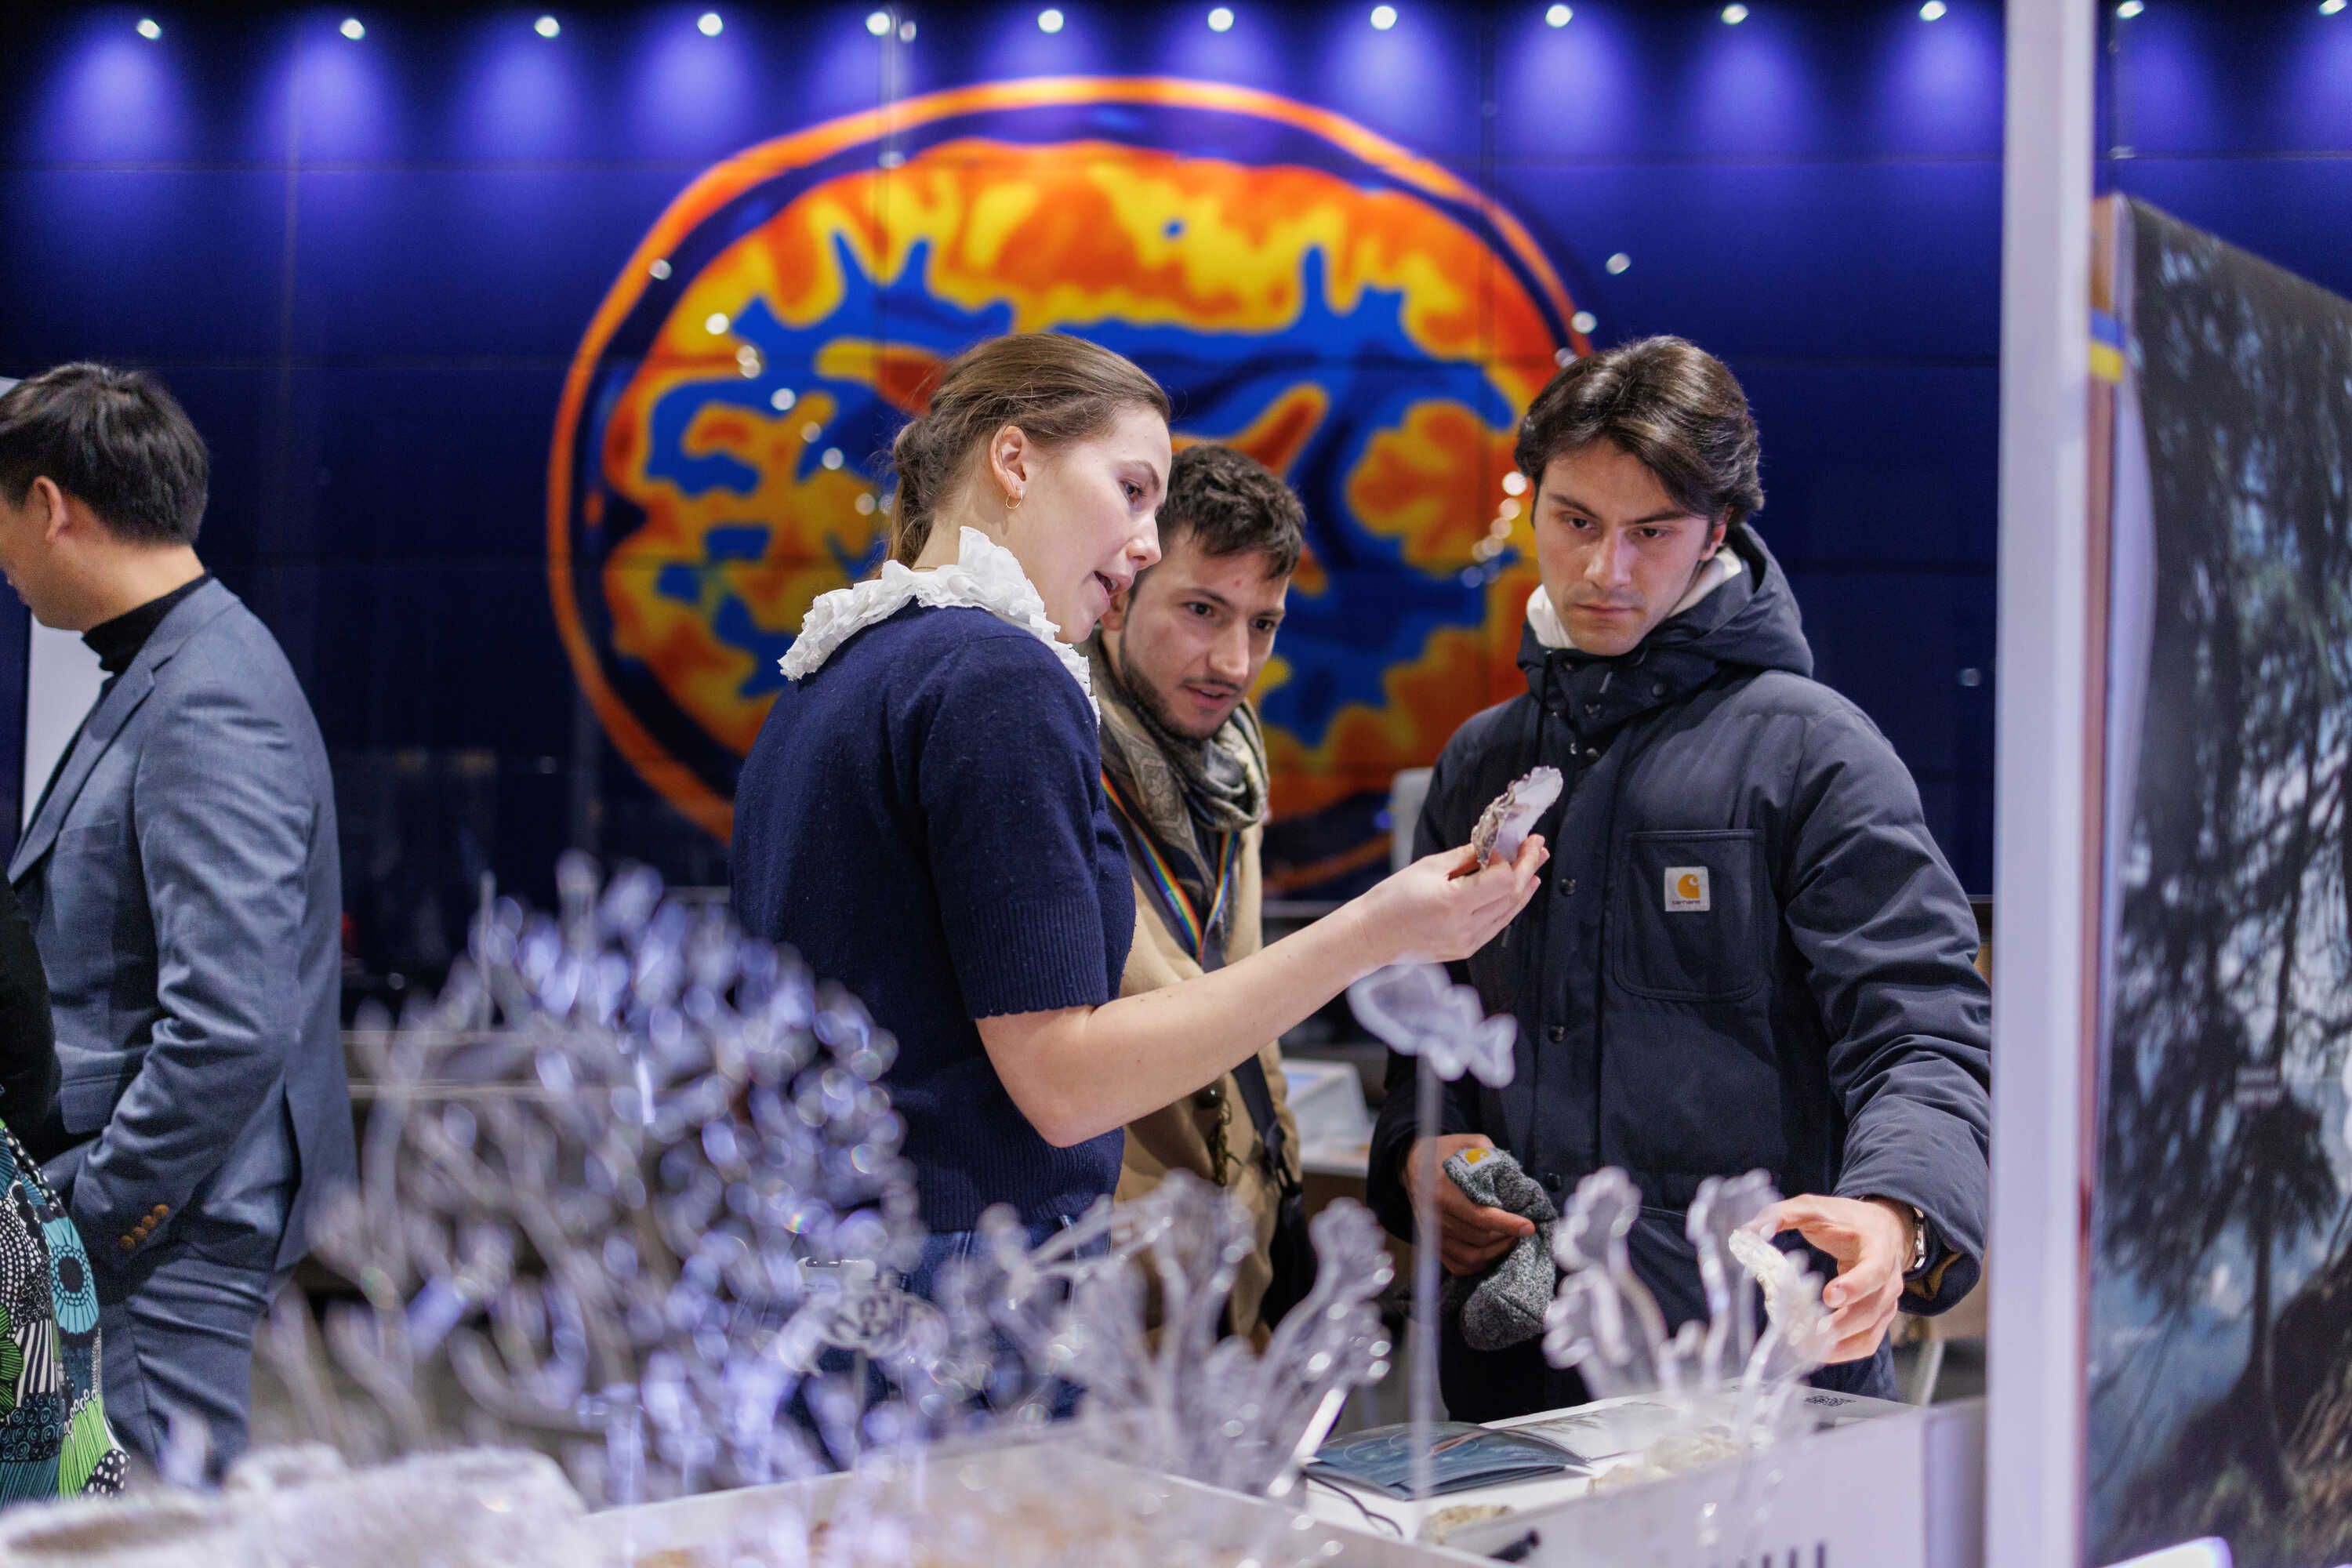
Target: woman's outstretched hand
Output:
[(1433, 909)]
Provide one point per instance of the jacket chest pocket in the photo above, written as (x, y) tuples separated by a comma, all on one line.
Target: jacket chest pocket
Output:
[(1692, 913)]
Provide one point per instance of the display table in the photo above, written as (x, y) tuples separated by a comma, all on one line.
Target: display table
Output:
[(1607, 1435), (1891, 1485), (1895, 1485), (725, 1530)]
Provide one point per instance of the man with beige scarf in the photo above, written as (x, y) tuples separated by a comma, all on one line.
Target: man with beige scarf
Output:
[(1185, 769)]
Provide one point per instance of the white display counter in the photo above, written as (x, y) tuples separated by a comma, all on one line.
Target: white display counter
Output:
[(1220, 1528), (1889, 1485), (1895, 1485)]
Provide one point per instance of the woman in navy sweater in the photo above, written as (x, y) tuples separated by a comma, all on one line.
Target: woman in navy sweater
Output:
[(922, 817)]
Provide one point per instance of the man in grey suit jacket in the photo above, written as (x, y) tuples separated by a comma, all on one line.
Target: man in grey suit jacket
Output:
[(181, 880)]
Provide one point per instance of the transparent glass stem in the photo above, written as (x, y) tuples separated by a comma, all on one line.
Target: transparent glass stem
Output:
[(1423, 1391)]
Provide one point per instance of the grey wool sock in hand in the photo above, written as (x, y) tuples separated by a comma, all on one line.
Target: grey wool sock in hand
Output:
[(1505, 1304)]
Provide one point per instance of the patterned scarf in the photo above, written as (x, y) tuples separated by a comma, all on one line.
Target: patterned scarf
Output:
[(1188, 796)]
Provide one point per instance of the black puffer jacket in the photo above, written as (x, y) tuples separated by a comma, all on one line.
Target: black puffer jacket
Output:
[(1748, 954)]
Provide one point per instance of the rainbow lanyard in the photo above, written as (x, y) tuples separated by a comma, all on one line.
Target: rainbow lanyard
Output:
[(1172, 896)]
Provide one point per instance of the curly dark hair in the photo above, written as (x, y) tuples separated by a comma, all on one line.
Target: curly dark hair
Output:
[(1669, 403), (1234, 505)]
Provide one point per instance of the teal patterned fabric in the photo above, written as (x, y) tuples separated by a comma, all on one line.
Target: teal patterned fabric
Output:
[(54, 1440)]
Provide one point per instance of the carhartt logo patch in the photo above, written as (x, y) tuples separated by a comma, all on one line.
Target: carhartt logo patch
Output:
[(1687, 890)]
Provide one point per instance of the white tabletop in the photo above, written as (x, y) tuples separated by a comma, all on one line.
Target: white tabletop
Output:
[(1606, 1435)]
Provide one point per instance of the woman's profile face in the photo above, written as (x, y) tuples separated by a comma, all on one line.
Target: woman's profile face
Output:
[(1086, 521)]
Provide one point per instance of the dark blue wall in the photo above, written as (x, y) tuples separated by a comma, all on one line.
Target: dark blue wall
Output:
[(364, 266), (2237, 119)]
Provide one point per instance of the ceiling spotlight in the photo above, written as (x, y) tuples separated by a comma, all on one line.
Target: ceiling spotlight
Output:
[(1735, 14), (711, 24), (1383, 17), (1514, 483), (2130, 8), (715, 323), (660, 268), (1558, 16), (877, 21), (906, 32), (352, 29), (1933, 11), (547, 26), (149, 30), (2329, 7), (1619, 262), (1221, 20), (781, 399), (1049, 20), (1583, 321)]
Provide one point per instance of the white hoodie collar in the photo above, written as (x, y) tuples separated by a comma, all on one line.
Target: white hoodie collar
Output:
[(1544, 620), (984, 576)]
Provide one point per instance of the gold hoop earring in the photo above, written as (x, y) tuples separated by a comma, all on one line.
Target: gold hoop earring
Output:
[(1012, 503)]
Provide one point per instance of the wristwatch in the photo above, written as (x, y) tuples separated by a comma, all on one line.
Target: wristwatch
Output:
[(1919, 1263)]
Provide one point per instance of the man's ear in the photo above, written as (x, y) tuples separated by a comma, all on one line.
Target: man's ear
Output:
[(49, 503), (1715, 542)]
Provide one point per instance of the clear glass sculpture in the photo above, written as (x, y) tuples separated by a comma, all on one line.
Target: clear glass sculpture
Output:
[(633, 1179), (1129, 1304), (1727, 1388), (1418, 1011), (632, 1197)]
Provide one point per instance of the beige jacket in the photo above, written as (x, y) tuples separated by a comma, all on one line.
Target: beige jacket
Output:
[(1178, 1137)]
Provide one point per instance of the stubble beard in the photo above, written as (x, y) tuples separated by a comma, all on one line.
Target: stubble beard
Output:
[(1150, 701)]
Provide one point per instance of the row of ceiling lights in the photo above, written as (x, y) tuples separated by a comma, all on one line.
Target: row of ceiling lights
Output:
[(1383, 17), (1221, 19)]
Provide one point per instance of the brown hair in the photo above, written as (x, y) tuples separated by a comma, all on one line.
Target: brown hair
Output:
[(1669, 403), (1056, 388), (1233, 505)]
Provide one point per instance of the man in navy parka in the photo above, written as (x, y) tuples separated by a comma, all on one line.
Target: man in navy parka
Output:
[(1750, 953)]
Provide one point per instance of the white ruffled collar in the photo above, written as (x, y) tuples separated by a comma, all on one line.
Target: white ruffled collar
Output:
[(1543, 619), (983, 576)]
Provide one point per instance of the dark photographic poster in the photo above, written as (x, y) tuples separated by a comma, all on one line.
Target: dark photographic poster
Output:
[(2220, 1375)]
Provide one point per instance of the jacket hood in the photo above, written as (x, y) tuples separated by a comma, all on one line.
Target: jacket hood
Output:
[(1751, 623)]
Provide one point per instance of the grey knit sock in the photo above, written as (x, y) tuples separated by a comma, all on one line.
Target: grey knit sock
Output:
[(1503, 1304)]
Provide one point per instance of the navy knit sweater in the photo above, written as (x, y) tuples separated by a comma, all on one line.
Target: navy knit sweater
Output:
[(923, 819)]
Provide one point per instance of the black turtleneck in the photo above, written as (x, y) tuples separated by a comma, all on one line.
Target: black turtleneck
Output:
[(117, 642)]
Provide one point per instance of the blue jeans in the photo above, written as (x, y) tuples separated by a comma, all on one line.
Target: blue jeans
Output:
[(945, 1247)]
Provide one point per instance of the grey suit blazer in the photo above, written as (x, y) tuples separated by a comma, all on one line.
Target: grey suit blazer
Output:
[(183, 887)]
